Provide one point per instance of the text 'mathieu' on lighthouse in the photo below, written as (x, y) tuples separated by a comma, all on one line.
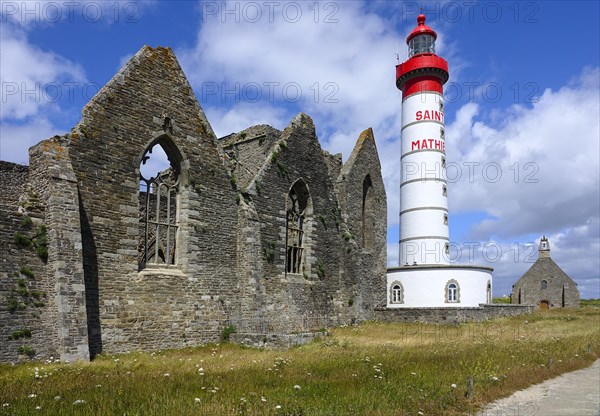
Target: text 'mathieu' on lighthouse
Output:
[(425, 277)]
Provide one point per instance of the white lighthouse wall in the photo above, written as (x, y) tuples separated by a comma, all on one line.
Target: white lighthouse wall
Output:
[(426, 288), (424, 251), (429, 194), (423, 204), (428, 100), (428, 222)]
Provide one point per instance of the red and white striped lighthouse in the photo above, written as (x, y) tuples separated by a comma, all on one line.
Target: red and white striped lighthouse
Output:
[(424, 237), (425, 278)]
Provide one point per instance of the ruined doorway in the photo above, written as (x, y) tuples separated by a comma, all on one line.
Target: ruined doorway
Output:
[(544, 305)]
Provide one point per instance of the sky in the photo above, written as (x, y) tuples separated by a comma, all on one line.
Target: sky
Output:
[(522, 103)]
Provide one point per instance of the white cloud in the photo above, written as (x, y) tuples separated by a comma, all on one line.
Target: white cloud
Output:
[(243, 115), (34, 83), (534, 171), (538, 171), (32, 79), (17, 138), (340, 73)]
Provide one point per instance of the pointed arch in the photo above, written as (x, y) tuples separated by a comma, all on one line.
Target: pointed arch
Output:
[(368, 215), (159, 204), (298, 214)]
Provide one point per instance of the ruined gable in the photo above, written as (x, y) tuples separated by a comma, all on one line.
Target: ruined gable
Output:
[(150, 102), (363, 203), (247, 231), (247, 150)]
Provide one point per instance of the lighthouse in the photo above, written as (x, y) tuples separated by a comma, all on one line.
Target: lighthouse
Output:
[(425, 277), (424, 237)]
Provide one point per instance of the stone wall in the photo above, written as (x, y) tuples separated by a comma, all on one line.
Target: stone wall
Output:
[(247, 151), (26, 311), (150, 102), (545, 282), (451, 315), (96, 293), (320, 288), (363, 205), (13, 180)]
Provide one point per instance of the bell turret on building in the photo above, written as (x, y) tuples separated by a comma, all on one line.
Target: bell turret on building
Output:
[(544, 247)]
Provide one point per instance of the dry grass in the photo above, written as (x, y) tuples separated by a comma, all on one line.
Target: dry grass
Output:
[(371, 369)]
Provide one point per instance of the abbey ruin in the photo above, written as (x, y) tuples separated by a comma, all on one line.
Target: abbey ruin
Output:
[(261, 232)]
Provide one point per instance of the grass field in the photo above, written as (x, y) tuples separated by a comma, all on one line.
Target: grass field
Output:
[(370, 369)]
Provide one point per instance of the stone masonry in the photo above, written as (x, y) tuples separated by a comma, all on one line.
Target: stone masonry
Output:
[(545, 284), (272, 235)]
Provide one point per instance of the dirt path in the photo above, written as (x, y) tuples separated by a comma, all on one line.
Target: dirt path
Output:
[(571, 394)]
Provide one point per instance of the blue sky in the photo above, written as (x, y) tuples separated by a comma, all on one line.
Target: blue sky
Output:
[(522, 102)]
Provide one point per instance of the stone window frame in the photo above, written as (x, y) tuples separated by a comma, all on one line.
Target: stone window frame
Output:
[(488, 292), (400, 297), (544, 284), (176, 159), (296, 254), (368, 215), (456, 291)]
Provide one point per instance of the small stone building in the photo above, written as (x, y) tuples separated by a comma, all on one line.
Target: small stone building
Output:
[(261, 231), (545, 284)]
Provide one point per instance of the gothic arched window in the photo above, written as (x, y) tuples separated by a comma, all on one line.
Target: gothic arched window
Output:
[(159, 203), (295, 220), (368, 215)]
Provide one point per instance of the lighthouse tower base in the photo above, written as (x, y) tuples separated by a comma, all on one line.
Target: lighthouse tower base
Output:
[(439, 286)]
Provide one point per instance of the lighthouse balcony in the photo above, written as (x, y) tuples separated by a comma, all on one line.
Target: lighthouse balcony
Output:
[(422, 65)]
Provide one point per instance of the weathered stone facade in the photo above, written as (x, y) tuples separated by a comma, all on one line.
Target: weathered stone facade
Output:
[(545, 284), (272, 234)]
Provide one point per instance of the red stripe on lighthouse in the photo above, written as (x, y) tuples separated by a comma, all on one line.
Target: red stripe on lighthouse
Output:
[(422, 84)]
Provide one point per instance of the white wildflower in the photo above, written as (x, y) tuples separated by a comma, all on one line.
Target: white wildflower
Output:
[(78, 401), (262, 399), (453, 385), (38, 408), (297, 387), (5, 405), (278, 407), (57, 398), (32, 395), (197, 400), (167, 375)]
